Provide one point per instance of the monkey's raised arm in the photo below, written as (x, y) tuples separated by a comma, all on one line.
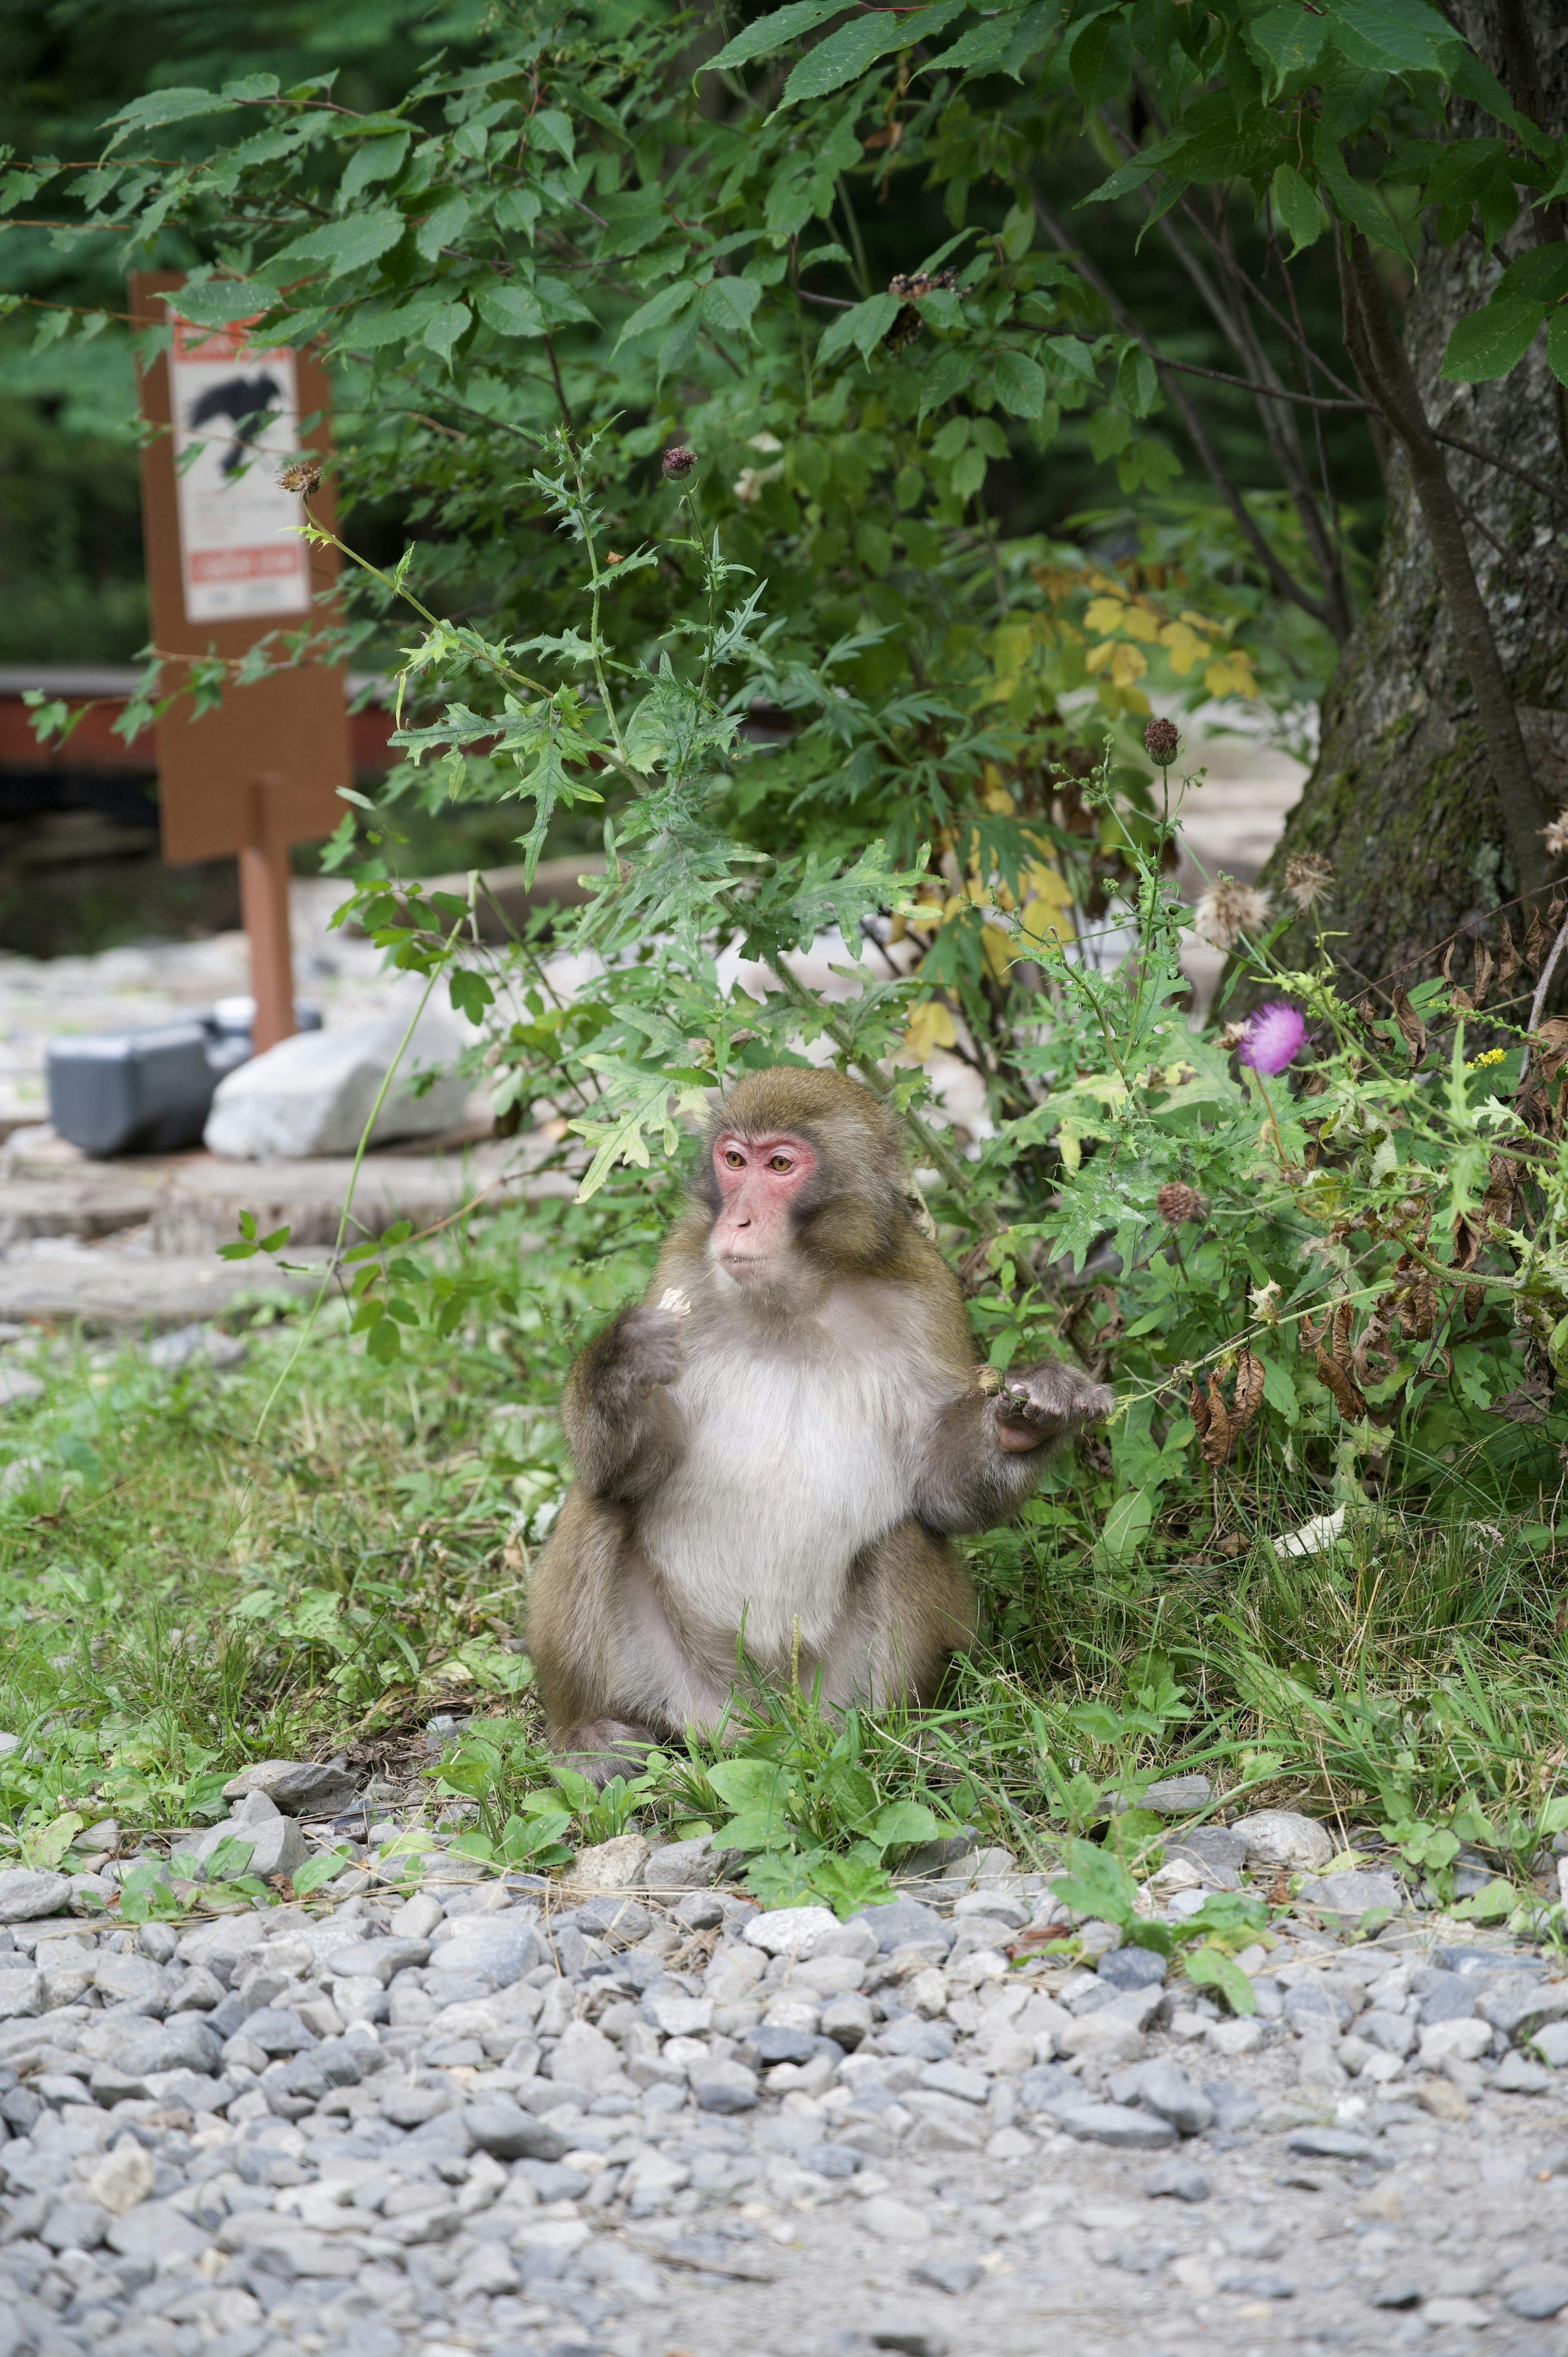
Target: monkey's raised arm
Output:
[(622, 1424), (987, 1453)]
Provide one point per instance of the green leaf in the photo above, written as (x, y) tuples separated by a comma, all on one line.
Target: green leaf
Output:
[(444, 330), (511, 310), (1296, 208), (864, 326), (746, 1783), (901, 1823), (1557, 351), (1390, 36), (1209, 1969), (1099, 1885), (1002, 44), (1285, 41), (846, 55), (770, 33), (378, 160), (323, 1867), (1099, 60), (1020, 384), (1126, 1527), (1490, 1904), (1490, 341), (160, 106), (345, 245), (1540, 275), (666, 305), (229, 1860), (729, 305)]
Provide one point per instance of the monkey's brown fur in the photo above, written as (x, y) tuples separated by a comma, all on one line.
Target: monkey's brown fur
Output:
[(855, 1356)]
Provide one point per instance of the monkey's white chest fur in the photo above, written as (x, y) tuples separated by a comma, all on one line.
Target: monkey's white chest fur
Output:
[(793, 1464)]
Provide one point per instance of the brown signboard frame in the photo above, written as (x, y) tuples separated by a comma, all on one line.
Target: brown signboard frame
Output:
[(263, 769)]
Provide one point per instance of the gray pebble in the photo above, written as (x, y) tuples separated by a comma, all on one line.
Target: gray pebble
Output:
[(1257, 2283), (954, 2275), (1543, 2293), (1183, 2181)]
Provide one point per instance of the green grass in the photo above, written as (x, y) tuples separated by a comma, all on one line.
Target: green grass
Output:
[(193, 1580)]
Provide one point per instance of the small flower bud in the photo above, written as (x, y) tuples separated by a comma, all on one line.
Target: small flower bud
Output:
[(678, 463), (1179, 1203), (1162, 742)]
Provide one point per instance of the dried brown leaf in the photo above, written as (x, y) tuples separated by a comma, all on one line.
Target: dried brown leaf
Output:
[(1483, 972), (1344, 1319), (1551, 1050), (1199, 1408), (1346, 1398), (1217, 1439), (1508, 964), (1537, 941), (1249, 1389), (1413, 1030)]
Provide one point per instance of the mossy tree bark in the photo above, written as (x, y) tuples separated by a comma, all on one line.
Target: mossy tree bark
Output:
[(1405, 798)]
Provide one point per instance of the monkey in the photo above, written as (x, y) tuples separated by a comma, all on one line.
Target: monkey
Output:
[(775, 1446)]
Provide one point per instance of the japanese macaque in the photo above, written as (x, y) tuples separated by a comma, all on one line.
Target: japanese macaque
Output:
[(773, 1447)]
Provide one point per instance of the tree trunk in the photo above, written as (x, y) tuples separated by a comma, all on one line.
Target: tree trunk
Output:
[(1402, 799)]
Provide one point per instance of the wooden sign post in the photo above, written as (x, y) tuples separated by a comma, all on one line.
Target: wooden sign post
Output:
[(263, 772)]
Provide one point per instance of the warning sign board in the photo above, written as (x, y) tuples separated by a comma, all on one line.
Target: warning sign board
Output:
[(236, 421), (226, 565)]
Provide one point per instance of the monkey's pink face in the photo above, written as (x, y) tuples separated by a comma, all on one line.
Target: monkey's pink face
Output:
[(759, 1179)]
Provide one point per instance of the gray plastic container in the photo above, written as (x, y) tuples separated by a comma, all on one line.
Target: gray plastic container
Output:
[(149, 1091)]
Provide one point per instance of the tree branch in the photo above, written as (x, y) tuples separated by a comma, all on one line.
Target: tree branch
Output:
[(1285, 582)]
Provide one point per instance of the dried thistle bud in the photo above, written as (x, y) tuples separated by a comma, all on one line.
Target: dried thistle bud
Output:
[(678, 463), (1179, 1203), (302, 475), (1229, 909), (1555, 836), (1162, 742), (1307, 879)]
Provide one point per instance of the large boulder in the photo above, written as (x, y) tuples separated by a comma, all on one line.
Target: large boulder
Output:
[(313, 1093)]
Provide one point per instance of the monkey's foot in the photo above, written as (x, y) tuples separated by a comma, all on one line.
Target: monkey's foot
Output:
[(602, 1748)]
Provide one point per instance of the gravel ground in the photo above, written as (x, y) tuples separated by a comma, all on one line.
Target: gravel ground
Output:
[(656, 2122)]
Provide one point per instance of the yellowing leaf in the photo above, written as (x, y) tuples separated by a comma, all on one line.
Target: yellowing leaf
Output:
[(1098, 657), (1139, 623), (1105, 614), (930, 1025), (999, 951), (996, 796), (1230, 674), (1198, 622), (1046, 883), (1127, 665), (1068, 1147), (1183, 645)]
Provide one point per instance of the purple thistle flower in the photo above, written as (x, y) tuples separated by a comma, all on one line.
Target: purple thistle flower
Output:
[(1274, 1037)]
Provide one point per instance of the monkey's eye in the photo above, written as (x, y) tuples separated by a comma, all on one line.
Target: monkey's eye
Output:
[(736, 1161), (780, 1162)]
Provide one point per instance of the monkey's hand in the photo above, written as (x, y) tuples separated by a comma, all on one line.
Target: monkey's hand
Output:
[(1039, 1403), (648, 1340)]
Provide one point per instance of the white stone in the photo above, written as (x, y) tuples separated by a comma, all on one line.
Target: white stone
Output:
[(612, 1866), (123, 2178), (313, 1093), (791, 1931), (1108, 2037), (1467, 2040), (1241, 2037), (1281, 1837)]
